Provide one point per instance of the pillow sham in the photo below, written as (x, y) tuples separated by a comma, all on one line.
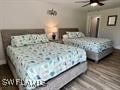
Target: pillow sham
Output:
[(80, 35), (75, 34), (72, 34), (24, 40), (40, 38)]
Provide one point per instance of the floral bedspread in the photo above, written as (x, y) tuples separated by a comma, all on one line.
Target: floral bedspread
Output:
[(96, 45), (44, 61)]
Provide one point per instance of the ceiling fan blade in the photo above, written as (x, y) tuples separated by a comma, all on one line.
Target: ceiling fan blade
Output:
[(102, 0), (100, 4), (86, 5), (81, 1)]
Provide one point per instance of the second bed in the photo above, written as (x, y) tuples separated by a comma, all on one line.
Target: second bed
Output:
[(96, 48)]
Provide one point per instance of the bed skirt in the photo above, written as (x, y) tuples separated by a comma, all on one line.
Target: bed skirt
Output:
[(59, 81), (99, 56)]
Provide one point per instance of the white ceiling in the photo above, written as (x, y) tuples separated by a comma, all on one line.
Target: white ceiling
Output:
[(70, 3)]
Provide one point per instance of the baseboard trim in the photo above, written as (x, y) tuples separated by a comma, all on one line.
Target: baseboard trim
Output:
[(2, 62), (117, 47)]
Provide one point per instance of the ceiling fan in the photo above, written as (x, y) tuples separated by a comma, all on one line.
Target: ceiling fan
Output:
[(92, 2)]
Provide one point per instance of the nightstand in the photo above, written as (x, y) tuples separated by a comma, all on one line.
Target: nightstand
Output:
[(57, 41)]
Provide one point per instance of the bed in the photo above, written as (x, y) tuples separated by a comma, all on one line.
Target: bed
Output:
[(40, 61), (96, 48)]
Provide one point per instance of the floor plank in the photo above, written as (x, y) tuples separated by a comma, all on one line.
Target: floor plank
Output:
[(102, 76)]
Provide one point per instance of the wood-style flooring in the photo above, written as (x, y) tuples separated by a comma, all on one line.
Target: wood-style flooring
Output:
[(102, 76)]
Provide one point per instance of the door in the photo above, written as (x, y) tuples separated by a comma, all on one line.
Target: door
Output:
[(94, 27)]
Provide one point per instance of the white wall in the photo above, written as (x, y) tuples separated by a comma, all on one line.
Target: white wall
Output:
[(21, 14), (111, 32)]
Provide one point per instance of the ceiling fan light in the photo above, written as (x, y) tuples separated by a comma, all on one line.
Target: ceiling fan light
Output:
[(94, 4)]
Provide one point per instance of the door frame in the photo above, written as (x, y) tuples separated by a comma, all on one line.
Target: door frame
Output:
[(88, 26), (97, 27)]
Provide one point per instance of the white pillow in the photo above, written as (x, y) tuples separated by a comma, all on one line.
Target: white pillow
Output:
[(65, 36)]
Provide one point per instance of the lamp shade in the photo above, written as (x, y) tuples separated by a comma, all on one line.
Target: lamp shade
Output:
[(51, 31)]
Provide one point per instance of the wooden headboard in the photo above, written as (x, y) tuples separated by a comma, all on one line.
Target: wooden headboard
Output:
[(63, 31), (6, 34)]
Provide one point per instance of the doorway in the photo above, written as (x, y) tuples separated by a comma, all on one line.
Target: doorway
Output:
[(94, 27)]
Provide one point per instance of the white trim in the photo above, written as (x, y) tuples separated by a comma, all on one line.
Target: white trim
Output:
[(2, 62), (117, 47)]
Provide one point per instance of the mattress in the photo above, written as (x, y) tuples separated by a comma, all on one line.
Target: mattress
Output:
[(41, 62), (96, 45)]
